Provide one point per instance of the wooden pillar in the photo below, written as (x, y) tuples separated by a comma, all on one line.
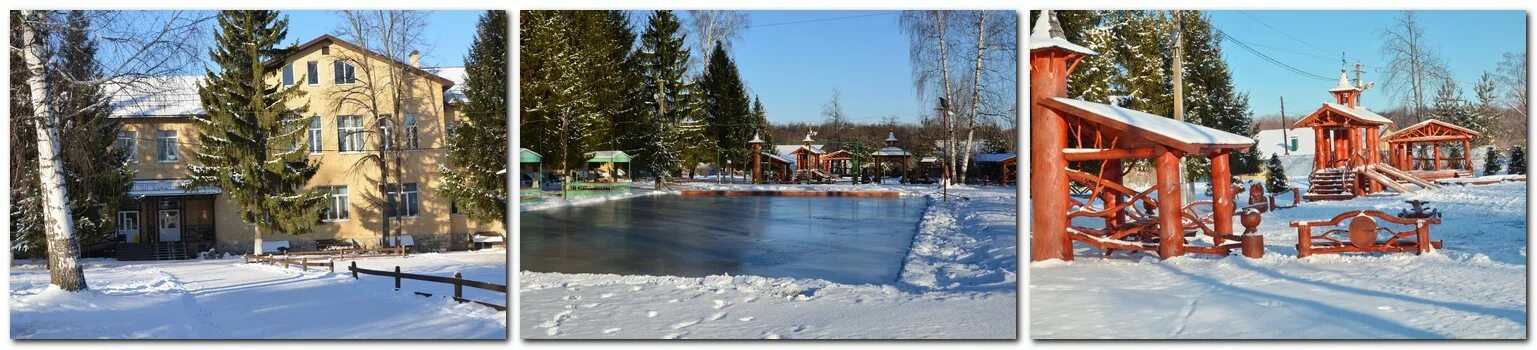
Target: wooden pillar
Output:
[(1171, 233), (1373, 136), (1341, 147), (1436, 146), (1048, 167), (1467, 155), (1221, 195), (1320, 149), (1112, 171), (757, 163)]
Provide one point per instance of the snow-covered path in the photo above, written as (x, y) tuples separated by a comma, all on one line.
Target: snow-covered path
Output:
[(959, 282), (1474, 288), (227, 299)]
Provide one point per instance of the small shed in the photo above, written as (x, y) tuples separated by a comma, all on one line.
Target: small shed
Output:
[(530, 170), (779, 167), (996, 168), (608, 165), (1417, 149)]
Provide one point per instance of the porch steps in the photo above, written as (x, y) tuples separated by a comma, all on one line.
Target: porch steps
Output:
[(170, 251), (134, 251), (1331, 184)]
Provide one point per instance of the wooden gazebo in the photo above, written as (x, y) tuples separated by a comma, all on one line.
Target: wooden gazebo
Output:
[(1417, 149), (1067, 130), (838, 163), (890, 153), (1347, 162)]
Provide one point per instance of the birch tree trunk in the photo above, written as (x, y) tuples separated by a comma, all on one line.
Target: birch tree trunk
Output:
[(944, 68), (976, 92), (63, 250)]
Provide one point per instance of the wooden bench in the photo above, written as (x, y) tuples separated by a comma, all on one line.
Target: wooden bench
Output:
[(1360, 234)]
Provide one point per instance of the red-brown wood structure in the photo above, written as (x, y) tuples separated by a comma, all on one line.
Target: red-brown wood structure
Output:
[(1347, 162), (1362, 233), (1065, 130), (757, 158), (1417, 149), (837, 163), (808, 159)]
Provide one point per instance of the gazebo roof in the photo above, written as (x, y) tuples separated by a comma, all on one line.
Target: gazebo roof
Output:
[(1344, 84), (779, 158), (1358, 114), (890, 152), (839, 154), (607, 157), (791, 149), (1430, 130), (1141, 129), (994, 157), (527, 156), (1048, 34)]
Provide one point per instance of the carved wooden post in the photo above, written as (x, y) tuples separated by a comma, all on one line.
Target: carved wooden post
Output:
[(1048, 137), (304, 264), (1253, 244), (1437, 147), (1221, 196), (1171, 233), (1423, 236), (1112, 170), (354, 269)]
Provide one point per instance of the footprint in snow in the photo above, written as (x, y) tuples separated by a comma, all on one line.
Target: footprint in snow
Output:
[(605, 295), (651, 313), (611, 330), (745, 319), (798, 328), (572, 297), (717, 316), (720, 303), (683, 324)]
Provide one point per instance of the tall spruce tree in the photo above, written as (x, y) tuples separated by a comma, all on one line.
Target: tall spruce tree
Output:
[(1451, 107), (664, 64), (96, 175), (1210, 97), (727, 111), (478, 149), (246, 138)]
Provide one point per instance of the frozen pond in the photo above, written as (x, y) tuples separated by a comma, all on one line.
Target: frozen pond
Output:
[(840, 239)]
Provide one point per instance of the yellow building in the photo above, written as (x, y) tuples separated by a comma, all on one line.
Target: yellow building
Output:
[(344, 86)]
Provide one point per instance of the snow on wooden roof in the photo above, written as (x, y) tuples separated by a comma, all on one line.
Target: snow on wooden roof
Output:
[(1344, 84), (1048, 34), (607, 157), (842, 153), (1360, 114), (164, 96), (781, 159), (1158, 129), (1449, 128), (791, 149), (993, 157)]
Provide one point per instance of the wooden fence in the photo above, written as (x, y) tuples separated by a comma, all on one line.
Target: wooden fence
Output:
[(354, 253), (302, 262), (458, 281)]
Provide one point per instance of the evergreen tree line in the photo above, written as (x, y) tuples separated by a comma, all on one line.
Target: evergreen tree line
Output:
[(591, 81), (96, 174), (1134, 69)]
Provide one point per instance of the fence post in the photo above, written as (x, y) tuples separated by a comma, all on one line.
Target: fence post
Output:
[(285, 262), (304, 263), (458, 286), (397, 277), (332, 265), (354, 270)]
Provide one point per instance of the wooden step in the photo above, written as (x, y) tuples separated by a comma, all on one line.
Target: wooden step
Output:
[(1327, 197)]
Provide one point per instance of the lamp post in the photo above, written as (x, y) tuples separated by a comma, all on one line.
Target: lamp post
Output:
[(729, 172), (757, 154)]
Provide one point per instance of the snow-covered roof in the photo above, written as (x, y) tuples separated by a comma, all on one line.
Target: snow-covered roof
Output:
[(891, 136), (1048, 33), (165, 96), (167, 187), (993, 157), (1360, 113), (928, 160), (1344, 84), (528, 156), (607, 157), (1427, 123), (454, 74), (790, 149), (780, 158), (890, 151), (1152, 127), (486, 238)]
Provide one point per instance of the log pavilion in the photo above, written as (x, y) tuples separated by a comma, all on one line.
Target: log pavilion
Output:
[(1417, 149), (1065, 130), (1347, 162)]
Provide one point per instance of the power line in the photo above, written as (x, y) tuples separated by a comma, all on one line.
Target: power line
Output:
[(1256, 20), (1245, 46)]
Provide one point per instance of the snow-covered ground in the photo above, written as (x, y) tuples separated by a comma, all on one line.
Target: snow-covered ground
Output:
[(959, 281), (1474, 288), (227, 299)]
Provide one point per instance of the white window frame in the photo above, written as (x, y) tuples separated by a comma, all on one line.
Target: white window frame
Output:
[(408, 200), (163, 142), (412, 132), (125, 213), (129, 139), (336, 202), (317, 136), (349, 136), (348, 74), (387, 132)]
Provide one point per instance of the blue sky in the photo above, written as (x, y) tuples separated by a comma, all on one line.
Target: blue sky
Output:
[(448, 33), (1470, 42), (794, 67)]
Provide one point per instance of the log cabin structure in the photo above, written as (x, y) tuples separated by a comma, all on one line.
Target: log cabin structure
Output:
[(805, 159), (1348, 161), (838, 163), (1065, 130), (1417, 149)]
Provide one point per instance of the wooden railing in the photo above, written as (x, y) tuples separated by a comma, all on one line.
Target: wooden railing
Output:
[(302, 262), (354, 253), (458, 281)]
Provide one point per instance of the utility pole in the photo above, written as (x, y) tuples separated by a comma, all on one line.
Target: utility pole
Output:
[(1286, 145), (1179, 96)]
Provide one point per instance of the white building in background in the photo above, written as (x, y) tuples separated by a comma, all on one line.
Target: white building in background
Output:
[(1274, 141)]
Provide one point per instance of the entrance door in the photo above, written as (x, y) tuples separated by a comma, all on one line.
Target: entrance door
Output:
[(170, 225), (128, 226)]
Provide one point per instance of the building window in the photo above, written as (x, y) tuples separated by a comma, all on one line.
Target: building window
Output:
[(349, 133), (316, 136), (387, 132), (128, 226), (453, 208), (406, 200), (336, 204), (288, 75), (345, 73), (411, 132), (165, 148), (312, 72), (128, 142)]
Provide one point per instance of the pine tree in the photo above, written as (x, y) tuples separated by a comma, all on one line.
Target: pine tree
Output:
[(245, 140), (1517, 164), (664, 61), (1275, 176), (1491, 161), (1210, 97), (96, 176), (1450, 107), (726, 109), (477, 151)]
